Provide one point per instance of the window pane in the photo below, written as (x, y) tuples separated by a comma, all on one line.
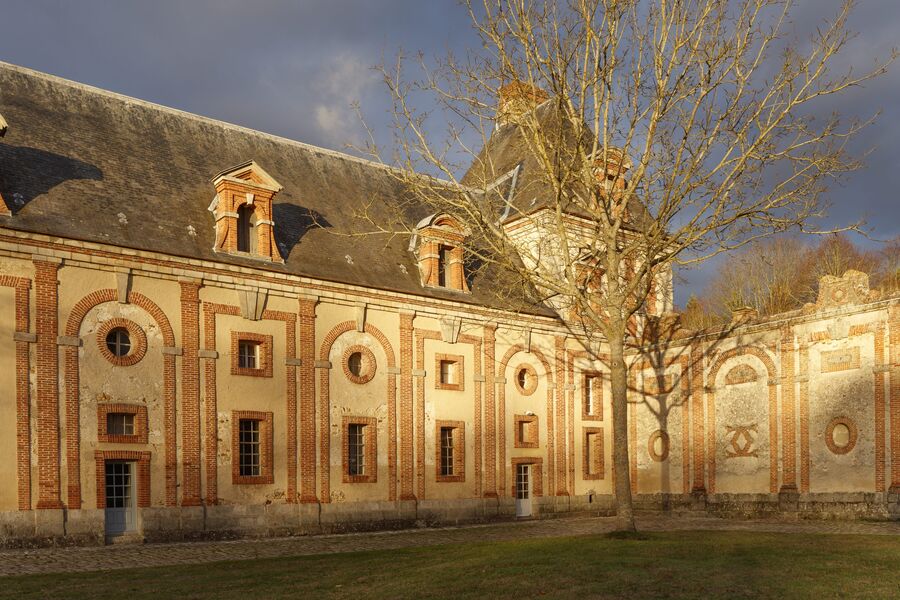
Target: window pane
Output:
[(448, 372), (356, 449), (446, 451), (248, 354), (119, 424), (248, 448)]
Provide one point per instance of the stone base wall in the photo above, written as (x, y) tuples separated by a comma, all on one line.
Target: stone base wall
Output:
[(20, 529)]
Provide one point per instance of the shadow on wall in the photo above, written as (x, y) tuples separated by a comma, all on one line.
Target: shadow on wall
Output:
[(294, 222), (26, 173)]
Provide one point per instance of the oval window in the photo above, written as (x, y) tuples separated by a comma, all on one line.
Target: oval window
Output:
[(354, 363), (118, 342)]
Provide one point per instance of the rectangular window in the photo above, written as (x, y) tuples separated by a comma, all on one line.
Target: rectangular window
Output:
[(360, 455), (248, 448), (592, 408), (449, 372), (119, 423), (446, 451), (526, 431), (248, 354), (593, 465), (450, 449), (443, 266), (356, 449)]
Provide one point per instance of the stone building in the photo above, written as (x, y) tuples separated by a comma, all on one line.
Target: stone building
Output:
[(187, 351)]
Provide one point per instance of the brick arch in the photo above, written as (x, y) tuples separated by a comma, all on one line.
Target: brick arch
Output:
[(325, 411), (73, 400), (772, 372), (501, 405)]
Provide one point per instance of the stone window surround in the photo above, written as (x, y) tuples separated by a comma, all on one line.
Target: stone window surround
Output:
[(265, 354), (371, 449), (266, 435), (140, 423), (136, 336), (459, 386), (459, 451)]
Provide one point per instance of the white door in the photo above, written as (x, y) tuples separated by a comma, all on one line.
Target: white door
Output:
[(523, 490), (120, 504)]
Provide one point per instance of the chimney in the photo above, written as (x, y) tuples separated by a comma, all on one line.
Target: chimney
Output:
[(516, 99), (610, 169)]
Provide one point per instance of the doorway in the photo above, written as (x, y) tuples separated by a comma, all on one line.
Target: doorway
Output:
[(523, 490), (120, 497)]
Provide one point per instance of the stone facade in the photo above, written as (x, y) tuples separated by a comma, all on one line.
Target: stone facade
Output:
[(795, 414)]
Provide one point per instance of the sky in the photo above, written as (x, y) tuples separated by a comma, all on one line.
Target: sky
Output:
[(296, 69)]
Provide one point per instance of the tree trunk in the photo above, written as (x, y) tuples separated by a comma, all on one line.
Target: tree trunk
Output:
[(619, 384)]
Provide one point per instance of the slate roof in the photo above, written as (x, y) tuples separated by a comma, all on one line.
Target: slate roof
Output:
[(82, 163)]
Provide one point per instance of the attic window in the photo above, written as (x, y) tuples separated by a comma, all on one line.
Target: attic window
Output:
[(441, 254), (243, 212)]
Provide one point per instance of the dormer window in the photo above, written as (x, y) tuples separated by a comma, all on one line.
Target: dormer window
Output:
[(243, 212), (440, 252)]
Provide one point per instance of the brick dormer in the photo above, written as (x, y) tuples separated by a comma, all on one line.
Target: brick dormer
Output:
[(440, 252), (610, 171), (243, 212), (4, 209)]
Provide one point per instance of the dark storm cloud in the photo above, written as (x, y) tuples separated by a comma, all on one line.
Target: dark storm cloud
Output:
[(293, 68)]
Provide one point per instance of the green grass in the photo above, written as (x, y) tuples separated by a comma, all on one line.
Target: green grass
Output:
[(692, 564)]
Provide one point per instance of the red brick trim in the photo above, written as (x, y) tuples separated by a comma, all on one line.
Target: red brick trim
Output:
[(307, 324), (804, 418), (22, 287), (525, 429), (368, 368), (879, 409), (290, 336), (140, 423), (459, 451), (537, 486), (457, 359), (407, 462), (371, 449), (73, 401), (788, 419), (720, 360), (696, 400), (597, 470), (190, 394), (266, 458), (894, 402), (560, 434), (492, 434), (265, 354), (325, 401), (47, 372), (530, 376), (845, 359), (663, 454), (142, 458), (135, 334), (829, 435), (597, 415)]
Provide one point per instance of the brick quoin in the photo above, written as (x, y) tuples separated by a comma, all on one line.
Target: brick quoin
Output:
[(406, 408), (559, 369), (490, 416), (894, 325), (879, 409), (788, 420), (307, 324), (47, 367), (190, 393), (696, 400), (804, 418)]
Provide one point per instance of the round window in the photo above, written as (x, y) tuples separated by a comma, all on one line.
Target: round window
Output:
[(118, 342), (354, 363), (523, 378)]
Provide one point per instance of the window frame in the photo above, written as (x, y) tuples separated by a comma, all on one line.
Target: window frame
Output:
[(596, 469), (458, 429), (266, 467), (531, 437), (136, 337), (139, 412), (370, 449), (597, 401), (439, 383), (264, 365)]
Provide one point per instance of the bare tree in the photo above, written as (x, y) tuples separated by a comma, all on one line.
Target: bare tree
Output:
[(594, 144)]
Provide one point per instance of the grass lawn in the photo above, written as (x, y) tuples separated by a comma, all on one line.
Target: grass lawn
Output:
[(694, 564)]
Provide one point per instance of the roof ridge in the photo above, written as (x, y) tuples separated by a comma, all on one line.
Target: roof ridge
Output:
[(218, 122)]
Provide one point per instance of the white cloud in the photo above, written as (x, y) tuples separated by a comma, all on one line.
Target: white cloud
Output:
[(342, 81)]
